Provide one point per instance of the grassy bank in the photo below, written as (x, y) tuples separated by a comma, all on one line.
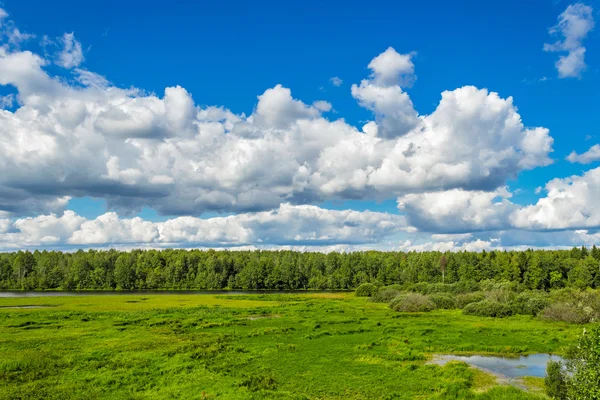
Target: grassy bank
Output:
[(308, 346)]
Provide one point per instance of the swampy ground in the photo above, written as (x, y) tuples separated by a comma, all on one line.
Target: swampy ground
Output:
[(263, 346)]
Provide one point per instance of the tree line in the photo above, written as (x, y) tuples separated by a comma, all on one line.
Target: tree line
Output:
[(196, 269)]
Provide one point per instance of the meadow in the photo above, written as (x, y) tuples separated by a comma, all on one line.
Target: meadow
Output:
[(256, 346)]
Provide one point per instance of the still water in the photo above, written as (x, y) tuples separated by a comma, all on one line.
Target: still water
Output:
[(532, 365)]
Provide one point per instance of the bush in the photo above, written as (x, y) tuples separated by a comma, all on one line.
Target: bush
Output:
[(556, 387), (530, 303), (463, 299), (412, 302), (504, 296), (573, 306), (582, 366), (443, 300), (487, 308), (567, 312), (580, 376), (366, 290), (384, 295)]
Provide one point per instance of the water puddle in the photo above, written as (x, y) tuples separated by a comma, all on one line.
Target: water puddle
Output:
[(508, 370)]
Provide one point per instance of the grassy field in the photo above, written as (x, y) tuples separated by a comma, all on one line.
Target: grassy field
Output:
[(308, 346)]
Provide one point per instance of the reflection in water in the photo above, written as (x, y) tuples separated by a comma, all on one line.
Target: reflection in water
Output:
[(532, 365)]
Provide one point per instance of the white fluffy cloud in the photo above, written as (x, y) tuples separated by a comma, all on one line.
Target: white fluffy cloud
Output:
[(288, 225), (570, 203), (135, 149), (593, 154), (458, 210), (573, 25)]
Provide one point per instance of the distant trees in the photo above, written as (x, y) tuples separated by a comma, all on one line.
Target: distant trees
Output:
[(195, 269)]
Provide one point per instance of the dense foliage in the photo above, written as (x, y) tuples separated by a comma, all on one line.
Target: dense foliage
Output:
[(579, 378), (194, 269)]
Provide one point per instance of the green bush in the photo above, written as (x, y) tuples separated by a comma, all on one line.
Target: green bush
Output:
[(488, 308), (412, 302), (530, 303), (556, 387), (366, 290), (384, 295), (503, 296), (443, 300), (467, 298), (567, 312), (583, 366)]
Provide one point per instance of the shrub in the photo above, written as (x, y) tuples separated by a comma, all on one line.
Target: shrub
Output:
[(566, 312), (504, 296), (487, 308), (582, 361), (530, 303), (384, 295), (463, 299), (573, 306), (443, 301), (366, 290), (556, 387), (580, 376), (412, 302)]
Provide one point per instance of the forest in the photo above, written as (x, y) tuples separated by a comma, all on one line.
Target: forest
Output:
[(289, 270)]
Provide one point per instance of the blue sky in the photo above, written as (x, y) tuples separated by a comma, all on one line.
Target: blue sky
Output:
[(225, 55)]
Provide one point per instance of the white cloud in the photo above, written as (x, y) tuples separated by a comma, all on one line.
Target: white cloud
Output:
[(573, 25), (286, 226), (458, 210), (7, 101), (593, 154), (382, 93), (71, 55), (571, 203), (336, 81), (9, 33), (136, 149)]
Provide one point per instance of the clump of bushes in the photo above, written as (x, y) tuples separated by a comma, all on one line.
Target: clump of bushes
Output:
[(455, 288), (443, 300), (488, 308), (384, 295), (412, 302), (573, 306), (568, 312), (467, 298), (366, 290), (530, 303)]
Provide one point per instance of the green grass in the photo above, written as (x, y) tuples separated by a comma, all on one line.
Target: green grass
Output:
[(309, 346)]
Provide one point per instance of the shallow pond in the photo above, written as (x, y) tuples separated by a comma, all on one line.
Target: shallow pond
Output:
[(504, 367)]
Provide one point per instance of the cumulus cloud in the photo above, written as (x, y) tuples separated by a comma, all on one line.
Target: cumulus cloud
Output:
[(570, 203), (458, 210), (593, 154), (287, 225), (574, 24), (136, 149), (382, 93)]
